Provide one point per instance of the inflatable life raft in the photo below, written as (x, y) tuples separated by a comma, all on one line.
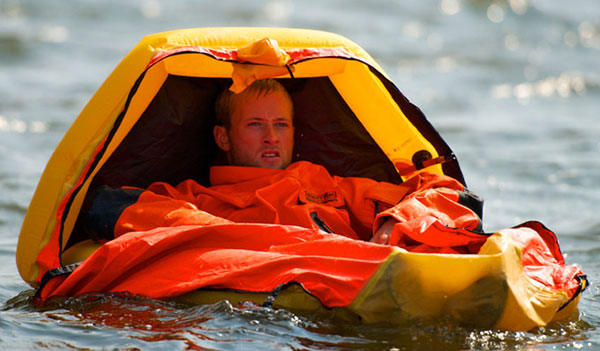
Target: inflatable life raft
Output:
[(152, 121)]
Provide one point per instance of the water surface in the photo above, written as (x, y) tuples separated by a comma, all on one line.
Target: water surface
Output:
[(513, 87)]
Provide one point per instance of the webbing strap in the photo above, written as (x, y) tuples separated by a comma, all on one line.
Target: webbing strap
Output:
[(583, 284), (56, 272)]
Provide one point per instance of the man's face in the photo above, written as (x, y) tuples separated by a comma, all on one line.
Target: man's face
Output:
[(261, 133)]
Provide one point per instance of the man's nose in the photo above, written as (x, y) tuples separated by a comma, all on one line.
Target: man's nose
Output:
[(270, 136)]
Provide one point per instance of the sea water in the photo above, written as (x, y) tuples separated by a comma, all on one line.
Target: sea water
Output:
[(513, 86)]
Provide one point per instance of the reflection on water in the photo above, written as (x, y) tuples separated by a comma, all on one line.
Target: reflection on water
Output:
[(563, 86), (142, 322), (148, 322), (19, 126), (512, 85)]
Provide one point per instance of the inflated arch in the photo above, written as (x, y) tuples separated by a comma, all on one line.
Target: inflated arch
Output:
[(152, 119)]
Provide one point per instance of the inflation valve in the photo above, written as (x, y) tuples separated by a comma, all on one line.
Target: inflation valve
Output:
[(423, 159)]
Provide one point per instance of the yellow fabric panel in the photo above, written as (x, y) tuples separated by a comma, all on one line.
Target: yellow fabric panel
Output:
[(569, 310), (321, 67), (414, 285), (79, 251), (197, 65), (380, 115)]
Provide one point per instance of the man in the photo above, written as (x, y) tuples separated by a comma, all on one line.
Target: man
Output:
[(259, 184), (255, 128)]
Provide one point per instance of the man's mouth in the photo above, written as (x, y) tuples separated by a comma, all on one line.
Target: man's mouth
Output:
[(270, 154)]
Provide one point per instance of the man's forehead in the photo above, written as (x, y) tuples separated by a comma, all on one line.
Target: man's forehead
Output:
[(242, 103)]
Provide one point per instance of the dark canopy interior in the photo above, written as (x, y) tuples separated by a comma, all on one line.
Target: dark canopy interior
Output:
[(172, 141)]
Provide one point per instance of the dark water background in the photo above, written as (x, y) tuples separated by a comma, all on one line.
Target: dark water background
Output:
[(513, 86)]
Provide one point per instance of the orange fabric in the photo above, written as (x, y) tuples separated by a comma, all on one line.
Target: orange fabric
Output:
[(264, 52), (424, 215), (168, 262), (259, 195), (270, 61), (542, 260), (164, 212)]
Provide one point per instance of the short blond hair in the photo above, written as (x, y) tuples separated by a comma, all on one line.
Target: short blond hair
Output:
[(227, 102)]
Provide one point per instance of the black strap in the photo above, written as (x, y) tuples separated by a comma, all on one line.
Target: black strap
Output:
[(56, 272), (583, 284), (289, 69)]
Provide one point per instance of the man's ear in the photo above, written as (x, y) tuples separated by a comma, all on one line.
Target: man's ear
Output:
[(221, 138)]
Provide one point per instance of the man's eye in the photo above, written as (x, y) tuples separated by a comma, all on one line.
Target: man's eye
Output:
[(282, 124), (254, 124)]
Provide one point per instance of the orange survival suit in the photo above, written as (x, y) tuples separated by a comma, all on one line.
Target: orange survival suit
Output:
[(306, 195)]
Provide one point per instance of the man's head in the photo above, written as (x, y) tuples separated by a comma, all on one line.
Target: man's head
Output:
[(255, 127)]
